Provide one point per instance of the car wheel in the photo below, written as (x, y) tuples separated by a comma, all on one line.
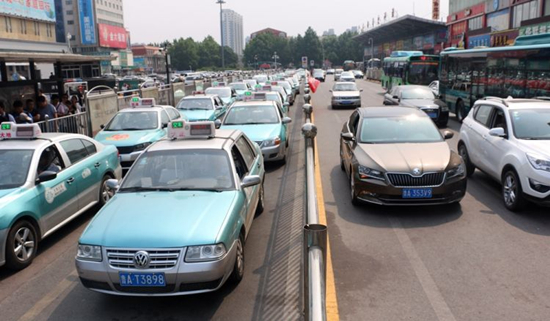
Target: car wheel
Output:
[(512, 192), (260, 206), (354, 199), (460, 111), (238, 269), (21, 245), (470, 167), (104, 194)]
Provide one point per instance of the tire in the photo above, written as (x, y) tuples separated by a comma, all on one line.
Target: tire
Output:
[(463, 152), (21, 245), (238, 269), (354, 200), (104, 194), (260, 206), (512, 194), (460, 112)]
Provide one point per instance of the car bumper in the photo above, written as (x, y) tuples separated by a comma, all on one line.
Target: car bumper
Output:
[(3, 239), (273, 153), (528, 181), (127, 160), (381, 193), (347, 103), (183, 279)]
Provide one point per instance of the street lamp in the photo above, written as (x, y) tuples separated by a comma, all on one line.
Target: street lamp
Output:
[(167, 62), (371, 42), (221, 2), (275, 57)]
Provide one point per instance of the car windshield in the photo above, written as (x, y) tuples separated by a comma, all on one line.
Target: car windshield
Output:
[(260, 78), (14, 166), (285, 85), (318, 73), (345, 87), (251, 82), (401, 129), (251, 115), (142, 120), (196, 104), (273, 97), (417, 93), (222, 92), (346, 74), (531, 124), (423, 73), (240, 86), (188, 169)]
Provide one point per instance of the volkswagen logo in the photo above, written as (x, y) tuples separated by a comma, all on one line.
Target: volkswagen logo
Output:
[(416, 172), (141, 259)]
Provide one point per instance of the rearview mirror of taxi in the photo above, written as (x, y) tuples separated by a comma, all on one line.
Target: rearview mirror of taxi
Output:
[(251, 180), (46, 176), (112, 185)]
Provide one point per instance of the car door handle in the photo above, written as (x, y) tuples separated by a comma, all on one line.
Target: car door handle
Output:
[(96, 165), (70, 180)]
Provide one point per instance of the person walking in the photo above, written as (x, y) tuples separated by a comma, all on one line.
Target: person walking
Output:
[(4, 116)]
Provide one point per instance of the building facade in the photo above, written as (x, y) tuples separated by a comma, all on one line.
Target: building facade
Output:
[(148, 59), (232, 30), (272, 31), (495, 23)]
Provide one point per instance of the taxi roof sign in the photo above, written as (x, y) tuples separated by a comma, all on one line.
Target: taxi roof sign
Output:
[(181, 130), (142, 102), (10, 130)]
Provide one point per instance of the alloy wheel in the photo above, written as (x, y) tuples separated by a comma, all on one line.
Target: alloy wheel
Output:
[(24, 244), (510, 189)]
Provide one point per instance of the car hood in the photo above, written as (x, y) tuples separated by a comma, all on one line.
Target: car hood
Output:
[(194, 115), (129, 138), (535, 147), (160, 219), (258, 133), (421, 103), (346, 93), (7, 196), (428, 157)]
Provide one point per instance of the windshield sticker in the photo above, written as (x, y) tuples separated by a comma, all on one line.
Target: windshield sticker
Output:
[(118, 137), (86, 173), (52, 193)]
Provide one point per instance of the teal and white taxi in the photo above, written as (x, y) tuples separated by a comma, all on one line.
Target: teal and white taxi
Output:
[(201, 107), (131, 130), (46, 181), (179, 220), (226, 94), (264, 122)]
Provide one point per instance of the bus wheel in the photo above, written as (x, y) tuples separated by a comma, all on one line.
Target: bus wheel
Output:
[(460, 112)]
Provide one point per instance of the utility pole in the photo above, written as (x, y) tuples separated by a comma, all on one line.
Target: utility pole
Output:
[(221, 2)]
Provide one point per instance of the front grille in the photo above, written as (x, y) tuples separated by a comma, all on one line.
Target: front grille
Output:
[(159, 259), (348, 98), (125, 149), (145, 290), (407, 180)]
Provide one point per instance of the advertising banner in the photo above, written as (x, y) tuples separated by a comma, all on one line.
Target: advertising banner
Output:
[(418, 41), (429, 42), (139, 62), (477, 41), (37, 9), (112, 36), (538, 29), (504, 38), (87, 22)]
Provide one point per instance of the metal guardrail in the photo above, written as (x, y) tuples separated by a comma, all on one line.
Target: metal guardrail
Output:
[(315, 234), (74, 124)]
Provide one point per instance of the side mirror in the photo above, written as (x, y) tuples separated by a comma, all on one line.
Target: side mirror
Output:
[(112, 185), (497, 132), (287, 120), (46, 176), (286, 104), (347, 137), (251, 180), (395, 97), (448, 135), (218, 123), (165, 125), (102, 126)]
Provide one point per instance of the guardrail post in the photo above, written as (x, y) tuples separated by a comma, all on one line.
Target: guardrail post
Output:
[(308, 110)]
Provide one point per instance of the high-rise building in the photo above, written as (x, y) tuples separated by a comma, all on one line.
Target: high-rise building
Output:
[(232, 30)]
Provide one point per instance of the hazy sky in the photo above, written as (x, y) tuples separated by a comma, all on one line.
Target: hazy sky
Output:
[(158, 20)]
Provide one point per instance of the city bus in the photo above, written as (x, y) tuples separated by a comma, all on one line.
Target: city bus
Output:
[(349, 65), (374, 67), (409, 68), (519, 71)]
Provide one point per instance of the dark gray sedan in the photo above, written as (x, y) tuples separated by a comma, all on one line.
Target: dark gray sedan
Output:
[(420, 97)]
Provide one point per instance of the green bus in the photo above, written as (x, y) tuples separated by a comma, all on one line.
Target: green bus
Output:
[(408, 68), (349, 65), (519, 71)]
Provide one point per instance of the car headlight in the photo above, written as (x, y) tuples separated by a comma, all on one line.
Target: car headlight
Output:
[(369, 173), (140, 147), (539, 163), (458, 171), (89, 253), (272, 142), (205, 253)]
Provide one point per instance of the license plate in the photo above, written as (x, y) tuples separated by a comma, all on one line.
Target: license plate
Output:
[(346, 102), (417, 193), (141, 279), (432, 115)]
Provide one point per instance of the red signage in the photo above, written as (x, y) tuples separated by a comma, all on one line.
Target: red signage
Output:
[(112, 37)]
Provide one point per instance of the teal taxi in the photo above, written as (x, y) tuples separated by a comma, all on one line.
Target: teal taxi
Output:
[(178, 222), (264, 122), (132, 129), (201, 107), (47, 180), (226, 94)]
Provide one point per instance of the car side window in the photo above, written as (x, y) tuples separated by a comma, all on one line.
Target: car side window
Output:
[(499, 119), (240, 166), (164, 118), (50, 160), (90, 147), (75, 149), (246, 151), (482, 115), (353, 120)]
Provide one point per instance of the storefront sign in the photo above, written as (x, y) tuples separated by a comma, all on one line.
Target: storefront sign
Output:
[(539, 29), (87, 22), (428, 42), (435, 10), (505, 38), (112, 36), (399, 45), (418, 42), (478, 41), (43, 10)]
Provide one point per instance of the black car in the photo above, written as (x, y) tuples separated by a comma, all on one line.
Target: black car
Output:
[(420, 97)]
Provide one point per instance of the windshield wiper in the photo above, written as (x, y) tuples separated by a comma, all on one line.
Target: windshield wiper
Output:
[(217, 190), (142, 189)]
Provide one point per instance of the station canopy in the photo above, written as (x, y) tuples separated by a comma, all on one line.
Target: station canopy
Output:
[(40, 57), (401, 28)]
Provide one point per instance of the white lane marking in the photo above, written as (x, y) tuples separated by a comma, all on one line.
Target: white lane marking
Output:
[(437, 301), (60, 291)]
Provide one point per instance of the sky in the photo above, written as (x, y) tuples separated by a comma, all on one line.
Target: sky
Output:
[(158, 20)]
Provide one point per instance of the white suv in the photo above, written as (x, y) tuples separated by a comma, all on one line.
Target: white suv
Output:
[(509, 139)]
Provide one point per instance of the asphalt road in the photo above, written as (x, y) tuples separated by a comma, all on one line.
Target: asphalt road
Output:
[(271, 289), (473, 261)]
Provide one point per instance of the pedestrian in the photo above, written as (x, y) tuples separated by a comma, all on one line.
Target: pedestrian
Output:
[(31, 110), (54, 100), (19, 115), (63, 106), (75, 104), (45, 110), (52, 76), (4, 116)]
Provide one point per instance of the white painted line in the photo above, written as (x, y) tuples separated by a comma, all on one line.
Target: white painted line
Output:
[(437, 301)]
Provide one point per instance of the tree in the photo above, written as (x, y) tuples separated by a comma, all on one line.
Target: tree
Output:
[(184, 54), (231, 58), (209, 53), (310, 46)]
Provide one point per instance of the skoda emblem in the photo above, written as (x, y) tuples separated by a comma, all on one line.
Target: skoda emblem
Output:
[(416, 172), (141, 259)]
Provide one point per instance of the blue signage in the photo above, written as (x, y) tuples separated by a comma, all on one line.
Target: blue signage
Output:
[(495, 5), (479, 41), (39, 9), (87, 22)]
